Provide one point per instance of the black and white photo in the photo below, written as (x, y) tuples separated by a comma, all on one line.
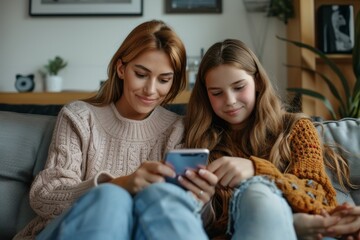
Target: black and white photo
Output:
[(335, 28), (86, 7)]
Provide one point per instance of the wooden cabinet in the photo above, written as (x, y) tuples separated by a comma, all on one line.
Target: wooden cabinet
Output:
[(303, 28), (60, 97)]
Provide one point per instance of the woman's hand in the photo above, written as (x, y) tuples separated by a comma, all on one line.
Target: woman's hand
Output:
[(149, 172), (232, 170), (200, 182), (313, 227), (349, 225)]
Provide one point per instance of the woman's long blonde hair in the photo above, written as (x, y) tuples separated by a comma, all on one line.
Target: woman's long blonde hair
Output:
[(151, 35), (267, 130)]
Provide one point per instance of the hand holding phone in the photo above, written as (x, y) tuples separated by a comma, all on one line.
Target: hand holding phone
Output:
[(183, 159)]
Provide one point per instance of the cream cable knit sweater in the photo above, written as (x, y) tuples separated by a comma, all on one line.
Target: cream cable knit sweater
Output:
[(91, 145)]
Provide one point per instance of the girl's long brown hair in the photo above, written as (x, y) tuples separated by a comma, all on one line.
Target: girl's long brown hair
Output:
[(151, 35), (265, 134)]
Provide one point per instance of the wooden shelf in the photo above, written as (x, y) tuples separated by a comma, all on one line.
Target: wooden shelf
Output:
[(303, 28), (44, 98), (337, 58)]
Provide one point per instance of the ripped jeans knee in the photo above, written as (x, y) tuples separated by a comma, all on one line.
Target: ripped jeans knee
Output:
[(258, 210)]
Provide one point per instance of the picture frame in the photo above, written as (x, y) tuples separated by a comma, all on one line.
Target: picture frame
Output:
[(335, 28), (86, 8), (193, 6)]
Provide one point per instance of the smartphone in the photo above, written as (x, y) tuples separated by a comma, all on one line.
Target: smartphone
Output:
[(183, 159)]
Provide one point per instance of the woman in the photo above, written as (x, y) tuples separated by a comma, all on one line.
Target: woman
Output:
[(269, 162), (104, 178)]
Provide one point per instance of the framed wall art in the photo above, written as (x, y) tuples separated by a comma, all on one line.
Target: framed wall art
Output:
[(335, 28), (193, 6), (86, 7)]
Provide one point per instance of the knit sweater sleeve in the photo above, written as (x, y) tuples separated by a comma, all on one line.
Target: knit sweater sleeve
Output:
[(306, 185), (62, 181)]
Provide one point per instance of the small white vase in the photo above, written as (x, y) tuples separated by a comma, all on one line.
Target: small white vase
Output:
[(53, 83)]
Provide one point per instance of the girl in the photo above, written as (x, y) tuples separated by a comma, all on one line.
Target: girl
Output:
[(269, 162), (103, 178)]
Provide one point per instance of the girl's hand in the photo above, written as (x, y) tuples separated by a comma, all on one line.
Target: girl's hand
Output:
[(232, 170), (312, 227), (200, 182), (149, 172), (349, 224)]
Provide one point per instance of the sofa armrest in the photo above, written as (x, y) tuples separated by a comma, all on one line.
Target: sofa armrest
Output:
[(24, 143)]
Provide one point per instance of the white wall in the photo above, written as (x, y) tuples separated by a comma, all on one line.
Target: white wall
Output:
[(88, 43)]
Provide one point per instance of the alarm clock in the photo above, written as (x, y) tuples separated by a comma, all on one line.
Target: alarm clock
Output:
[(24, 83)]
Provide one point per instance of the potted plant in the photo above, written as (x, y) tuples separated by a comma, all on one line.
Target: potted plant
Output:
[(350, 106), (282, 9), (53, 81)]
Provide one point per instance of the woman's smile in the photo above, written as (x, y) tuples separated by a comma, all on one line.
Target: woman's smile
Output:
[(147, 100)]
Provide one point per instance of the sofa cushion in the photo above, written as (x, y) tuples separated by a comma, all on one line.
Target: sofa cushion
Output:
[(24, 142), (345, 132), (51, 109)]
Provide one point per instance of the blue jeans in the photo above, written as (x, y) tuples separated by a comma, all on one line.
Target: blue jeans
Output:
[(259, 211), (107, 211)]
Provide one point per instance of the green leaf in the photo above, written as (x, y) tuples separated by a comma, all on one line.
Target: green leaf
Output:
[(317, 95), (355, 106), (356, 86), (342, 112)]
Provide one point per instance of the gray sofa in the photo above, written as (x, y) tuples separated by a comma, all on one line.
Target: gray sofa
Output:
[(25, 138)]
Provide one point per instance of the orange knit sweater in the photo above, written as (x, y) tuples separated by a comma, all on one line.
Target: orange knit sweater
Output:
[(306, 186)]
